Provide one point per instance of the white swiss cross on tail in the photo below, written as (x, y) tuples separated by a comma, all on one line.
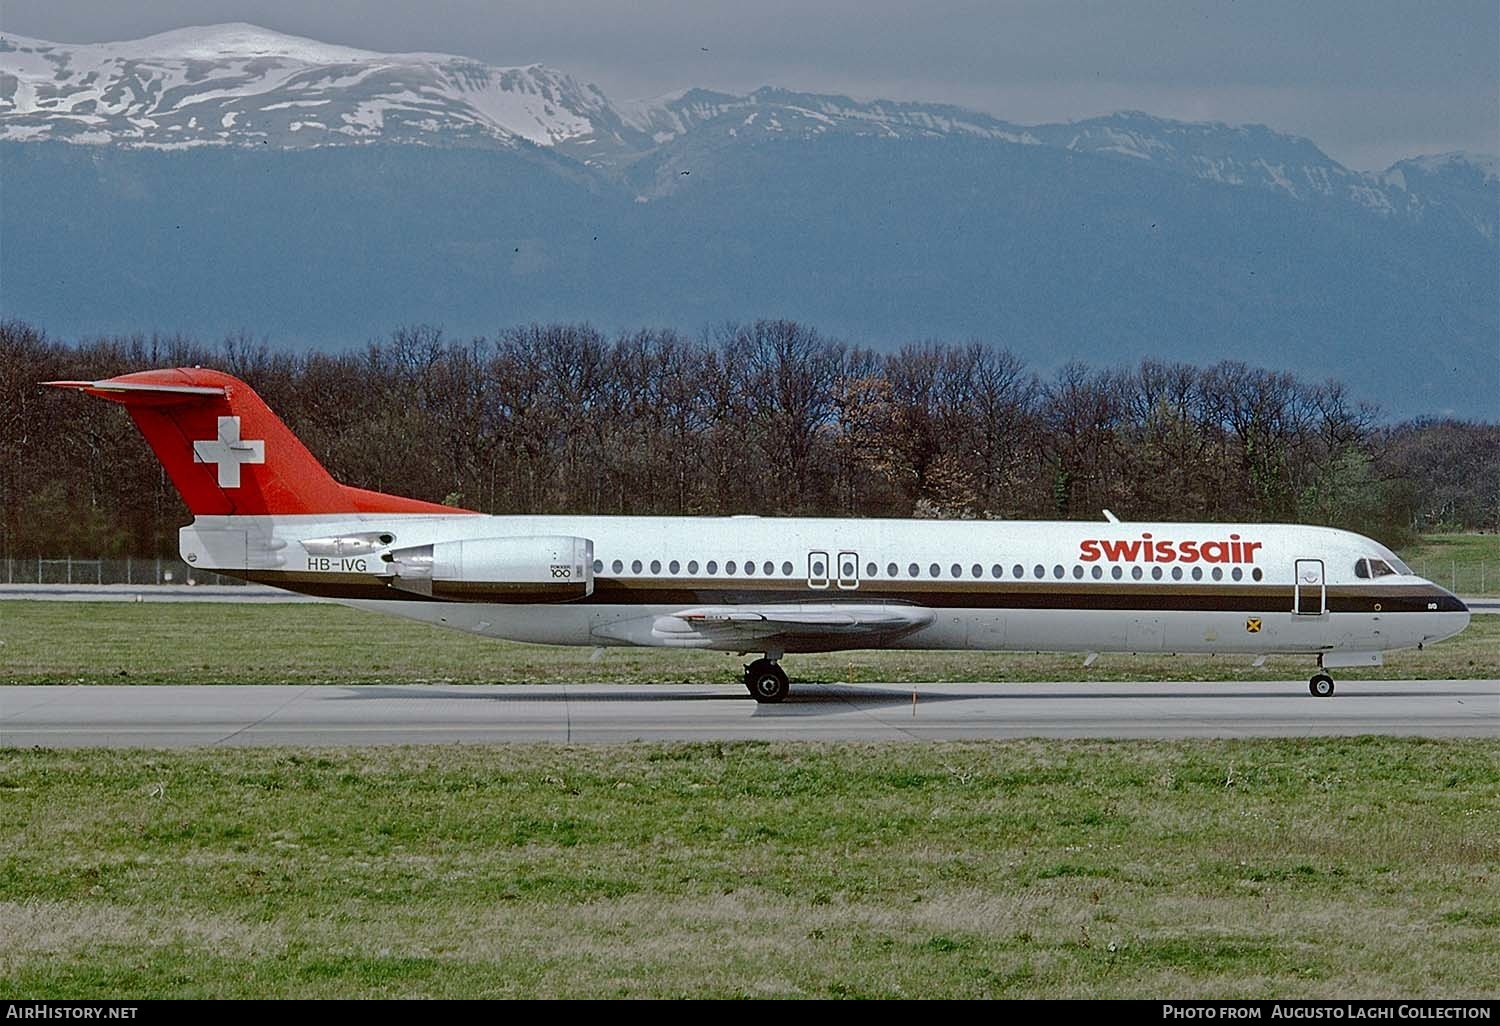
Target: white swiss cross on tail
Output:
[(228, 452)]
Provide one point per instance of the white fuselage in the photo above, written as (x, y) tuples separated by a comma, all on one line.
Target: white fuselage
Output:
[(989, 585)]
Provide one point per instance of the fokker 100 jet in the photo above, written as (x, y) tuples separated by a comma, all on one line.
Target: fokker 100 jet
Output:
[(264, 509)]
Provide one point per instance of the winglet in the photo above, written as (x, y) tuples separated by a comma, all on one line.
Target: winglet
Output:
[(1111, 517)]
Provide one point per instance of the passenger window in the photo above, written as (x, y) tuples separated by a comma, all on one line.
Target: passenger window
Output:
[(729, 567), (786, 569), (912, 570), (891, 570), (675, 566)]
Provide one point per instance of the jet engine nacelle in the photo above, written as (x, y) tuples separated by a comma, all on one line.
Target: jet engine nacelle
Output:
[(542, 568)]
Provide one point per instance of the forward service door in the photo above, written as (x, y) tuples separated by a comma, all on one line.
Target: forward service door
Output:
[(1310, 592)]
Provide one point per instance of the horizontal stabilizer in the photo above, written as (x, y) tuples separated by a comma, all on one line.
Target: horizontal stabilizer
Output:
[(115, 388)]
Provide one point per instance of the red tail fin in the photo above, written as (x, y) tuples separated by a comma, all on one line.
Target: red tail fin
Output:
[(227, 453)]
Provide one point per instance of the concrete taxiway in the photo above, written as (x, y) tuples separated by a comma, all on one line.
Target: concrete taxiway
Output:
[(173, 716)]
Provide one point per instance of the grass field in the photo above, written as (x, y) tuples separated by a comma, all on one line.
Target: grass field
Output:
[(190, 643), (1306, 868), (1313, 868), (1467, 563)]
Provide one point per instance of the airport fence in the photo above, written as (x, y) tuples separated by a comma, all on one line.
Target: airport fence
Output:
[(1477, 577), (68, 570)]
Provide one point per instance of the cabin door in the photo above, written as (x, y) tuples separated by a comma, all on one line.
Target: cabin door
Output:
[(848, 570), (1310, 593), (817, 569)]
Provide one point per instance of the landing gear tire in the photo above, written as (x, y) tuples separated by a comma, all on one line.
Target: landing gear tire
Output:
[(766, 681), (1321, 685)]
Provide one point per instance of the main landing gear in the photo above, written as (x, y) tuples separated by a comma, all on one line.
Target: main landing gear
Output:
[(766, 681), (1321, 685)]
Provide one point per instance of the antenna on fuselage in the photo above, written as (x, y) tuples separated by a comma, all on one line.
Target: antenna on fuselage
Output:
[(1111, 517)]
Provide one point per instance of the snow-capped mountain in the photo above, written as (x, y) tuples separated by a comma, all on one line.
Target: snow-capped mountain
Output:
[(1465, 184), (781, 112), (240, 85), (230, 178), (247, 86)]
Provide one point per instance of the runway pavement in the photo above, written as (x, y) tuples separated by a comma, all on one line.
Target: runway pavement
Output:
[(173, 716)]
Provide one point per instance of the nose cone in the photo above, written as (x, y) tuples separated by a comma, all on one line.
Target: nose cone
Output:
[(1450, 617)]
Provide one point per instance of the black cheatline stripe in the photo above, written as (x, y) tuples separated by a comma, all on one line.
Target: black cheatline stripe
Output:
[(1205, 599), (1166, 598)]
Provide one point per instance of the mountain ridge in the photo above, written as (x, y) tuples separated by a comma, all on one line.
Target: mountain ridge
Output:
[(241, 85), (476, 196)]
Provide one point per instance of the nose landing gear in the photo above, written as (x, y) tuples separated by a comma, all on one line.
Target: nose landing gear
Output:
[(1321, 685), (766, 681)]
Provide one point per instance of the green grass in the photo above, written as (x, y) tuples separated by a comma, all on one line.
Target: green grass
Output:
[(191, 643), (1295, 868), (1467, 563)]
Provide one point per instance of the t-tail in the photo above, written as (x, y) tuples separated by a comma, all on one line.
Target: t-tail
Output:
[(228, 454)]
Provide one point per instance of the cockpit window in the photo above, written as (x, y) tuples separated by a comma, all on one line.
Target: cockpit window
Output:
[(1367, 568), (1393, 565)]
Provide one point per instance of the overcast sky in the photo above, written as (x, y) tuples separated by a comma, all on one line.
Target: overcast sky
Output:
[(1369, 81)]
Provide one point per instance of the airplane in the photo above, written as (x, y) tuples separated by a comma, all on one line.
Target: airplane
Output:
[(264, 509)]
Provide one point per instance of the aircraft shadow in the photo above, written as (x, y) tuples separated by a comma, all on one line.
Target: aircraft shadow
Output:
[(522, 695), (841, 696)]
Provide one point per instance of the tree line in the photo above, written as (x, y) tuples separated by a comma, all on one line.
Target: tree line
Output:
[(768, 417)]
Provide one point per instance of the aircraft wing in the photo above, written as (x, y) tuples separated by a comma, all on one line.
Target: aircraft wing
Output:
[(801, 624)]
